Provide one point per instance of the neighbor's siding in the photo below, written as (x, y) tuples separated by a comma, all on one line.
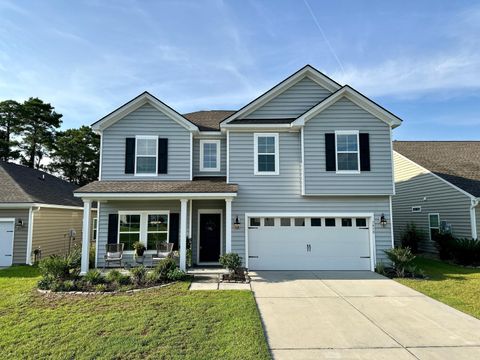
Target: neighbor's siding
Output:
[(51, 230), (412, 184), (345, 115), (282, 193), (21, 233), (292, 102), (477, 212), (112, 207), (223, 159), (146, 120)]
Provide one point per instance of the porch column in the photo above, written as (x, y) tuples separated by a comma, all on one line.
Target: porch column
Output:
[(183, 234), (228, 225), (87, 204)]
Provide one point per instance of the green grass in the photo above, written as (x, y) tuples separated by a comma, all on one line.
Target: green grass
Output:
[(169, 323), (453, 285)]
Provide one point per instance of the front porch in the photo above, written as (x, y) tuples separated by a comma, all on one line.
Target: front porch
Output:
[(198, 223)]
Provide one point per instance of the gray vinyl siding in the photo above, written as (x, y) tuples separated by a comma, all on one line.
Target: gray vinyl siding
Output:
[(292, 102), (412, 185), (20, 238), (477, 216), (146, 120), (196, 159), (282, 193), (345, 115), (113, 207), (203, 205)]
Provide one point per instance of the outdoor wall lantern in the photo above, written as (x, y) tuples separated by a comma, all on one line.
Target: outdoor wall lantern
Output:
[(236, 224), (383, 221), (19, 223)]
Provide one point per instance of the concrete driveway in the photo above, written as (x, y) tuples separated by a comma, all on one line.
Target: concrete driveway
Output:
[(358, 315)]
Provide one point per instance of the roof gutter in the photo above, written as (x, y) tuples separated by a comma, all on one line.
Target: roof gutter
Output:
[(473, 217)]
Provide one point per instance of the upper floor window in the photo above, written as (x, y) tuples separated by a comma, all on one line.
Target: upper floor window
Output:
[(348, 155), (209, 155), (266, 159), (146, 151)]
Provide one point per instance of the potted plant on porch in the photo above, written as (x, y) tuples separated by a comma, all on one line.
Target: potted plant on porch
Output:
[(139, 251)]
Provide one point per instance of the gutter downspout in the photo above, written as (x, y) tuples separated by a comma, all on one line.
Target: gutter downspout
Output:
[(31, 213), (473, 219)]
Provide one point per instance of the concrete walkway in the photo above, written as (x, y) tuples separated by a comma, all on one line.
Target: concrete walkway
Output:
[(358, 315)]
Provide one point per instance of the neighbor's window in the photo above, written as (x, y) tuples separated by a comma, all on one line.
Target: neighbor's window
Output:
[(347, 151), (361, 222), (316, 222), (330, 222), (346, 222), (129, 230), (209, 155), (146, 155), (434, 223), (268, 222), (285, 222), (157, 229), (266, 154), (254, 221)]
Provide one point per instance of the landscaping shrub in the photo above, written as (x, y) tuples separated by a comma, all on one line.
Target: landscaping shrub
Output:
[(411, 237), (164, 267), (401, 258), (445, 243), (231, 261), (116, 277), (93, 277), (380, 268), (466, 251), (139, 275), (176, 275), (101, 288), (54, 267)]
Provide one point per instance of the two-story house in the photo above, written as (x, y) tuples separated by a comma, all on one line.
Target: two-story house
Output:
[(300, 178)]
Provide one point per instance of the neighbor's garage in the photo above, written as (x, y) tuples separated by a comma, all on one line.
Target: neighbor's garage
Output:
[(309, 243)]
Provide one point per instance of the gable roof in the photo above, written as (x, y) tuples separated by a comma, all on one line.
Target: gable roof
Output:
[(357, 98), (308, 70), (208, 120), (21, 184), (457, 162), (134, 104)]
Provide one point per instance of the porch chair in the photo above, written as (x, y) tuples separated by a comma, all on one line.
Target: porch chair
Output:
[(113, 253), (164, 250)]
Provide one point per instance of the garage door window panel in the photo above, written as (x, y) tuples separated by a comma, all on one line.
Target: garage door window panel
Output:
[(361, 222), (330, 222), (346, 222), (254, 221), (299, 222), (269, 222), (316, 222), (285, 222)]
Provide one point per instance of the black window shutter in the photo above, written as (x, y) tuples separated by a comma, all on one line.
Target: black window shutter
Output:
[(162, 156), (364, 152), (112, 228), (174, 230), (129, 155), (330, 152)]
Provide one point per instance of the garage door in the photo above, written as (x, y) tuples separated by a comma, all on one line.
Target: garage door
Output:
[(309, 243)]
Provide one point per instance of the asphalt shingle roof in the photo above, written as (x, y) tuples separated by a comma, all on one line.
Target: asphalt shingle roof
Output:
[(458, 162), (196, 186), (208, 120), (21, 184)]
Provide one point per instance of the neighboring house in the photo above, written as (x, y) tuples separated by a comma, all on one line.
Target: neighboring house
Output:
[(299, 178), (37, 211), (438, 188)]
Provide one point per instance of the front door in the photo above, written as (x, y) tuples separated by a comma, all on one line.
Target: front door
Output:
[(6, 243), (210, 237)]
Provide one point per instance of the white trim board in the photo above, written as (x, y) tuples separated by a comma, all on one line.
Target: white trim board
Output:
[(209, 211), (307, 71), (370, 216), (134, 104)]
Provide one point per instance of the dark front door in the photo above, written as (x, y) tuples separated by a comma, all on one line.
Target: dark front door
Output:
[(210, 237)]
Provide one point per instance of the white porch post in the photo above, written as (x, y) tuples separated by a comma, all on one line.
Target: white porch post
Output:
[(228, 225), (87, 204), (183, 234)]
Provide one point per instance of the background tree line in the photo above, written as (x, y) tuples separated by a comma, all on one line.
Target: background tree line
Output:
[(29, 134)]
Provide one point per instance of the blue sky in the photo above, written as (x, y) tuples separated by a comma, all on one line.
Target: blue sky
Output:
[(419, 59)]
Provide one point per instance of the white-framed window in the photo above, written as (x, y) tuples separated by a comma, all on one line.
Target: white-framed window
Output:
[(94, 228), (209, 155), (266, 154), (347, 151), (146, 153), (416, 209), (146, 227), (434, 225)]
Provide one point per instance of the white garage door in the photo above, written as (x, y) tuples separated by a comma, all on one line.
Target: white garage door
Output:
[(309, 243)]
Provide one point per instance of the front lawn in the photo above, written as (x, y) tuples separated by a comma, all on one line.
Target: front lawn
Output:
[(453, 285), (158, 324)]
